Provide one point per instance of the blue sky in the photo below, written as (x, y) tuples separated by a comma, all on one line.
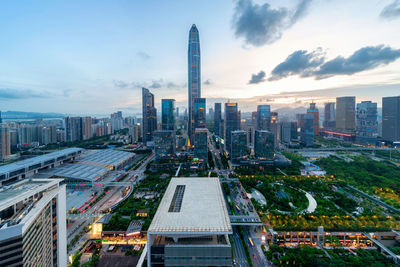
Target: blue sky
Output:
[(92, 57)]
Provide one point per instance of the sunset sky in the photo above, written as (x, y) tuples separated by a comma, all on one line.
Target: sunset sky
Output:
[(93, 57)]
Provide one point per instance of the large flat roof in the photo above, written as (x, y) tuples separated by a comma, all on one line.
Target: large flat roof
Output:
[(39, 159), (192, 205)]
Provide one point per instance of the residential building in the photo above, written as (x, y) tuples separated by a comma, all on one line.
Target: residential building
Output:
[(5, 142), (33, 224), (73, 129)]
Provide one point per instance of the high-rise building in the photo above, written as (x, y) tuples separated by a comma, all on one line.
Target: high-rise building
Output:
[(134, 132), (294, 136), (391, 118), (168, 114), (264, 145), (116, 121), (164, 143), (87, 128), (329, 116), (232, 122), (315, 112), (239, 149), (217, 119), (285, 132), (73, 129), (5, 142), (201, 144), (194, 75), (367, 120), (263, 117), (306, 123), (199, 113), (274, 127), (33, 224), (346, 113), (149, 115)]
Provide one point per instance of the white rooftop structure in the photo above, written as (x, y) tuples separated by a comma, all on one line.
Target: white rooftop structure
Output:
[(192, 206)]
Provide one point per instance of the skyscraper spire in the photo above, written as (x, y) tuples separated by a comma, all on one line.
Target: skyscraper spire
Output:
[(194, 75)]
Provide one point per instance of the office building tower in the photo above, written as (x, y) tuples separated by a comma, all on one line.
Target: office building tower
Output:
[(232, 122), (264, 145), (345, 113), (263, 117), (306, 122), (210, 114), (33, 224), (87, 128), (149, 115), (249, 129), (177, 113), (239, 149), (201, 144), (5, 142), (294, 136), (199, 113), (285, 129), (217, 119), (391, 118), (191, 226), (367, 121), (315, 112), (274, 127), (73, 129), (164, 143), (329, 116), (168, 114), (194, 75)]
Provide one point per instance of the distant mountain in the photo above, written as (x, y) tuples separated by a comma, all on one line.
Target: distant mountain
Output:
[(29, 115)]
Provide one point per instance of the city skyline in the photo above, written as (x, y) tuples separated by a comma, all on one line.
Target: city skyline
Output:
[(49, 66)]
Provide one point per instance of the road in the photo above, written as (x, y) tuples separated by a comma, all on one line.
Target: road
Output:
[(239, 256)]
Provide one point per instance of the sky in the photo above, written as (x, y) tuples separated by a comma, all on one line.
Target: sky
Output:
[(92, 57)]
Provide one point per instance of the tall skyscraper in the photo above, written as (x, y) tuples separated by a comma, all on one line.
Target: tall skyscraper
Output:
[(274, 127), (149, 115), (367, 120), (217, 119), (194, 75), (87, 128), (164, 143), (232, 122), (263, 117), (168, 114), (199, 113), (329, 116), (315, 112), (306, 123), (346, 113), (5, 142), (391, 118)]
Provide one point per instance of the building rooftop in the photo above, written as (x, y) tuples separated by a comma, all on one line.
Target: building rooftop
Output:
[(39, 159), (192, 205)]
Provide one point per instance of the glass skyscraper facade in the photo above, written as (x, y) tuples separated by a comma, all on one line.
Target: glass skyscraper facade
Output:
[(199, 111), (263, 117), (217, 119), (194, 75), (149, 115), (391, 118), (367, 120), (232, 122), (168, 114)]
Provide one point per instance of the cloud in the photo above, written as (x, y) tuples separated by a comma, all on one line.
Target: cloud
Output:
[(391, 11), (299, 62), (143, 55), (313, 64), (8, 93), (261, 24), (257, 78), (208, 82), (153, 84)]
